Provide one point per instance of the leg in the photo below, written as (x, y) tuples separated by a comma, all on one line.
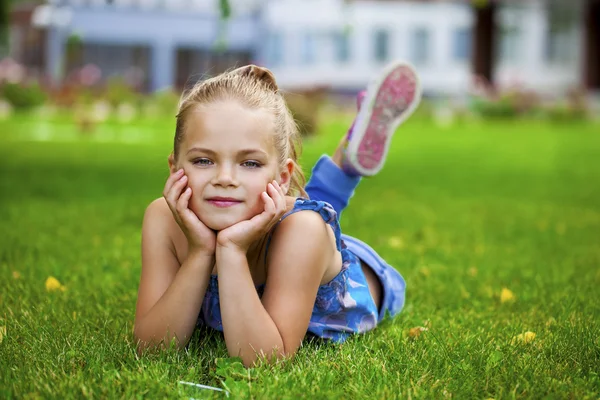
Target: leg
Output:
[(389, 100), (390, 291), (330, 183)]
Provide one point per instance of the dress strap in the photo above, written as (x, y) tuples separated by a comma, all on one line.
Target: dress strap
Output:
[(324, 209)]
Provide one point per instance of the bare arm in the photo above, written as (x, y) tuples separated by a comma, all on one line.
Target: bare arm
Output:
[(274, 326), (170, 296)]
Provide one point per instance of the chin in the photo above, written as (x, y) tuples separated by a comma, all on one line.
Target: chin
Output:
[(218, 220), (218, 225)]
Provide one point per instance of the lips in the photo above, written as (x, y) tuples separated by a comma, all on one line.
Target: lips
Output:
[(223, 202)]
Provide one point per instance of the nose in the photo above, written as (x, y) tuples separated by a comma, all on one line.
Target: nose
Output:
[(225, 175)]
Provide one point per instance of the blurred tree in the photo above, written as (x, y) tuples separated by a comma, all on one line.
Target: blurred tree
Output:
[(5, 7), (4, 21), (225, 9), (224, 12)]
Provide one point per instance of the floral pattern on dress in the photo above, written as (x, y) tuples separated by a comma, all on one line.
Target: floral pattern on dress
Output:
[(343, 306)]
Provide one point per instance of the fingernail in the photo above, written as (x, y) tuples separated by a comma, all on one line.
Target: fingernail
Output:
[(179, 172)]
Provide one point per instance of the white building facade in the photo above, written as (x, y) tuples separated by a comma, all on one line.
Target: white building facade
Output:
[(335, 44), (341, 45)]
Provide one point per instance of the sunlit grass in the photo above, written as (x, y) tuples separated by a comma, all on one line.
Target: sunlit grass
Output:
[(495, 226)]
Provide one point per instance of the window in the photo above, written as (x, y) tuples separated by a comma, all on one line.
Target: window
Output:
[(559, 47), (420, 46), (561, 44), (509, 45), (308, 48), (382, 42), (341, 41), (461, 46)]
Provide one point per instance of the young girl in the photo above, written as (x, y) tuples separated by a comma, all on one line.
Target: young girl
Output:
[(238, 244)]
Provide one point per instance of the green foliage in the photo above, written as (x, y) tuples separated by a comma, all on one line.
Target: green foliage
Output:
[(462, 213), (117, 91), (225, 9), (518, 103), (501, 108), (164, 102), (23, 96), (512, 103)]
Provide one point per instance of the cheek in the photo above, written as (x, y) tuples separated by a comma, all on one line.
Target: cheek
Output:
[(254, 194), (198, 183)]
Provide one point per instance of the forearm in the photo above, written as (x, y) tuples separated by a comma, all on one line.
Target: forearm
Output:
[(248, 328), (176, 313)]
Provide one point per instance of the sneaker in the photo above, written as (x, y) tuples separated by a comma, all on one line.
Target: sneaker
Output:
[(390, 99)]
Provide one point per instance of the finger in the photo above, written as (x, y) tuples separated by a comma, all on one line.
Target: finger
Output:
[(279, 188), (281, 195), (277, 197), (183, 201), (171, 184), (176, 190), (186, 215), (271, 199), (265, 218), (173, 177)]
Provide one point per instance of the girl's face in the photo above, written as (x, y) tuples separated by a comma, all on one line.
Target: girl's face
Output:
[(229, 157)]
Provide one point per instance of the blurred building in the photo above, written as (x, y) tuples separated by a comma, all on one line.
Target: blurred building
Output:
[(337, 44)]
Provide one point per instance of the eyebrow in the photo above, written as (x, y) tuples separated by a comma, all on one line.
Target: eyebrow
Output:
[(243, 152)]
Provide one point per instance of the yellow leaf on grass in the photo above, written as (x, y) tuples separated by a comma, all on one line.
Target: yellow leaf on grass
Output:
[(506, 295), (416, 331), (525, 338), (16, 274), (2, 333), (53, 284)]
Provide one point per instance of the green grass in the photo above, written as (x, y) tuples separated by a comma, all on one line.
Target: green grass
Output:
[(462, 213)]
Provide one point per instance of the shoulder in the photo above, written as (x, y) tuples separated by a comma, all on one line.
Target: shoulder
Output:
[(302, 237), (158, 223), (158, 213), (157, 208)]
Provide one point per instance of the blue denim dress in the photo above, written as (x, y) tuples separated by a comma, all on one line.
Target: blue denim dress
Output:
[(344, 305)]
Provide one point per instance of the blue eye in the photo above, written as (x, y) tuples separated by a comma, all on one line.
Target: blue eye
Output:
[(202, 162), (251, 164)]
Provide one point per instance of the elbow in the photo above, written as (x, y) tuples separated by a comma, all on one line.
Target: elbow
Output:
[(251, 358), (146, 341), (141, 343)]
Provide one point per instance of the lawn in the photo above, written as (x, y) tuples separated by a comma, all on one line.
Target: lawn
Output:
[(495, 226)]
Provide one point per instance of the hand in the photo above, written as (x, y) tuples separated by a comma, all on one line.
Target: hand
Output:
[(241, 235), (200, 238)]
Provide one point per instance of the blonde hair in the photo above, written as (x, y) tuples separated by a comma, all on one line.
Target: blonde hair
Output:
[(253, 87)]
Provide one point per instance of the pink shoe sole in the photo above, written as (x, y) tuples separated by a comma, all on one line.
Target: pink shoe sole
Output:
[(389, 101)]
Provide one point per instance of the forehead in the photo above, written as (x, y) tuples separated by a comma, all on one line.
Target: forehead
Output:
[(229, 125)]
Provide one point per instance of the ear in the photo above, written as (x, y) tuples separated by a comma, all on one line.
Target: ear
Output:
[(172, 166), (285, 175)]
